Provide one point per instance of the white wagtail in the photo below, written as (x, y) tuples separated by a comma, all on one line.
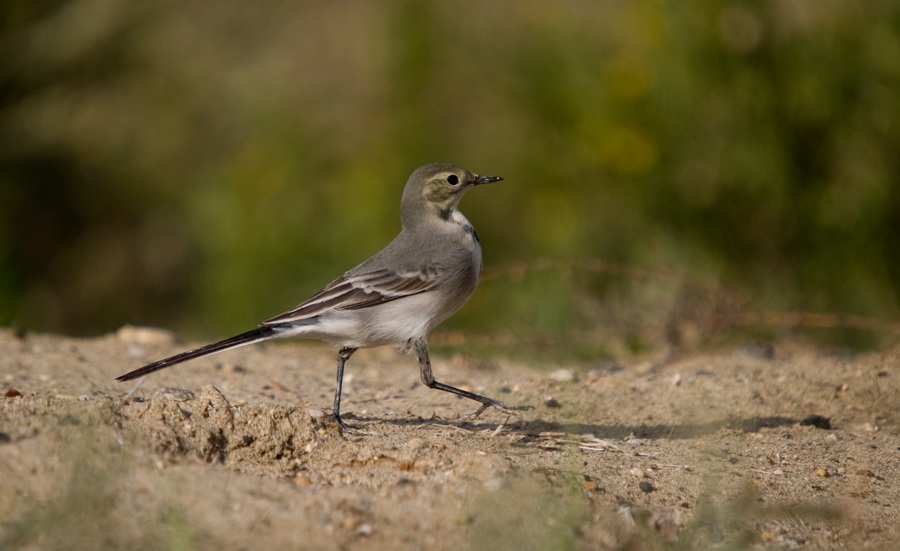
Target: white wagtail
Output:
[(397, 296)]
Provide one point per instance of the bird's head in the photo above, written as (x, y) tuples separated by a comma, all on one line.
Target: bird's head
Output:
[(436, 189)]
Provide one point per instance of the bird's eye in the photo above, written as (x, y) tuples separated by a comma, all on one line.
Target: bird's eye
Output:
[(453, 179)]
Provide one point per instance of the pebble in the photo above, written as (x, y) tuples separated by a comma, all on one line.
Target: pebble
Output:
[(131, 334), (564, 375), (552, 402)]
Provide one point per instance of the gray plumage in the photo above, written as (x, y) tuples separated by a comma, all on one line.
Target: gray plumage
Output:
[(397, 296)]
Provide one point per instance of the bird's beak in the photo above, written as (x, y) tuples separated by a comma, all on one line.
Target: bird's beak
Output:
[(478, 180)]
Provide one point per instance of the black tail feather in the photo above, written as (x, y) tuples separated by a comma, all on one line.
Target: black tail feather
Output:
[(256, 335)]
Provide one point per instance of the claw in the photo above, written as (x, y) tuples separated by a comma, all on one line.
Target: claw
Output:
[(344, 426)]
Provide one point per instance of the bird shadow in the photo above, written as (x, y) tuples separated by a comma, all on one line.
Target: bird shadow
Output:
[(538, 427)]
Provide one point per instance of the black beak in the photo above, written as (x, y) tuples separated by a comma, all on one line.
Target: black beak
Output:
[(478, 180)]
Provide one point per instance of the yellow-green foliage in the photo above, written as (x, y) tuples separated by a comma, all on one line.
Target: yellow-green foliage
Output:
[(204, 166)]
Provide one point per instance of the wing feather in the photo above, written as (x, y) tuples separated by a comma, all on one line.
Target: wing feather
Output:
[(360, 290)]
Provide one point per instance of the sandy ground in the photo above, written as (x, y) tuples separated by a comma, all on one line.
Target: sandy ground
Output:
[(237, 451)]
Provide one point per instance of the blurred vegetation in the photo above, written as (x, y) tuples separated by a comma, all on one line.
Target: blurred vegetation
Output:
[(203, 166)]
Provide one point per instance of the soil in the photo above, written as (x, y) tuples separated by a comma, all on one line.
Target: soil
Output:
[(761, 447)]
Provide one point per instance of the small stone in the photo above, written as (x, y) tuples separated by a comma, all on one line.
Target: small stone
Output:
[(759, 350), (131, 334), (645, 486), (12, 393), (302, 480), (822, 472), (564, 375), (589, 485), (634, 441), (364, 529), (552, 402)]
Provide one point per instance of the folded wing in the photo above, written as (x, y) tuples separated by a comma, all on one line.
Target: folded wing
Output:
[(353, 291)]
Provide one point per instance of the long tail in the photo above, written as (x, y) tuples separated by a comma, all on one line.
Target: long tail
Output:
[(261, 333)]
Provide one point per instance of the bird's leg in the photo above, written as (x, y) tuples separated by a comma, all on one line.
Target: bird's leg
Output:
[(421, 347), (343, 355)]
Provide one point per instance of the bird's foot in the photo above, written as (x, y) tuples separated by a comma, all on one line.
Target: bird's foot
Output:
[(349, 429)]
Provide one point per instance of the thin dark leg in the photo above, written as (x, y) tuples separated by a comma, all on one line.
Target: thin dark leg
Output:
[(343, 355), (428, 380)]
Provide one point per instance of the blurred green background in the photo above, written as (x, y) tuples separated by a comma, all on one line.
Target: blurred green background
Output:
[(670, 168)]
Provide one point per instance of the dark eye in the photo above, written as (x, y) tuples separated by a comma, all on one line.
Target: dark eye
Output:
[(453, 179)]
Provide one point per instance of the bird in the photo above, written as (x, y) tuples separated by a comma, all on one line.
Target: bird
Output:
[(396, 297)]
